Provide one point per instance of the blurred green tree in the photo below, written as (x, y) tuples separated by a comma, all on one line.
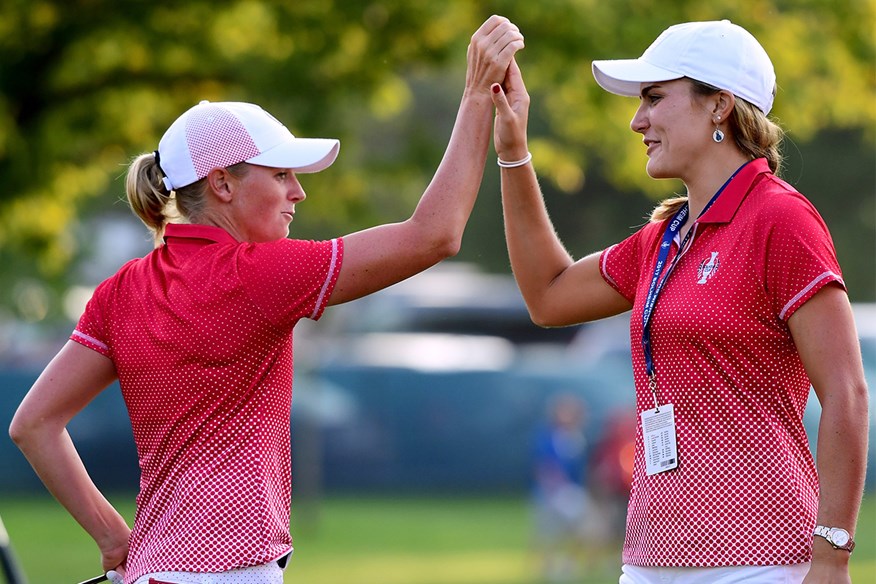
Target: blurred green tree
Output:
[(87, 84)]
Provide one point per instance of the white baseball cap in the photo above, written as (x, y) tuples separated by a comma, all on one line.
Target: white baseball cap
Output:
[(218, 135), (717, 52)]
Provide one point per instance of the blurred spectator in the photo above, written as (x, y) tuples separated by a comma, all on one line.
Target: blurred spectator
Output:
[(562, 505), (611, 469)]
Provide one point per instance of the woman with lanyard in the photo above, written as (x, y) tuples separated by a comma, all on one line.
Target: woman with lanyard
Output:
[(199, 332), (733, 289)]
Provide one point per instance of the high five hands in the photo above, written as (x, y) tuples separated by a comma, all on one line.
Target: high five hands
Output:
[(492, 68), (512, 114), (490, 53)]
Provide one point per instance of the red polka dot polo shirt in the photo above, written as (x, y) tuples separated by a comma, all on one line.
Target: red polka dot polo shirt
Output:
[(745, 491), (200, 333)]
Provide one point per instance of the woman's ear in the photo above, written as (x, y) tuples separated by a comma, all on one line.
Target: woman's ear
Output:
[(221, 184), (723, 105)]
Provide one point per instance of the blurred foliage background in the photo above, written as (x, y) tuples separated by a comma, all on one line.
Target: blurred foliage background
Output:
[(87, 84)]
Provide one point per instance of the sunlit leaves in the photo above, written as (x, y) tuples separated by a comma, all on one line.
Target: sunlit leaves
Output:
[(251, 28), (87, 84), (390, 98)]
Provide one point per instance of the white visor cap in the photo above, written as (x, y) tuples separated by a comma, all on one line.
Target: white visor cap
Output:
[(218, 135), (719, 53)]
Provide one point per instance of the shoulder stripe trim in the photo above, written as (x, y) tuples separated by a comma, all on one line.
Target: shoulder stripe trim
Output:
[(328, 279), (603, 264), (805, 291), (90, 339)]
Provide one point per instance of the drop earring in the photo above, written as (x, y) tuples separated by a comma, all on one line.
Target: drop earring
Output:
[(718, 135)]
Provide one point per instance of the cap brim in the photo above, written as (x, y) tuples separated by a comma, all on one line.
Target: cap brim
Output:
[(300, 154), (625, 76)]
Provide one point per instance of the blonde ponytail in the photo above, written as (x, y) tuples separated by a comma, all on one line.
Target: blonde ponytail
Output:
[(148, 197)]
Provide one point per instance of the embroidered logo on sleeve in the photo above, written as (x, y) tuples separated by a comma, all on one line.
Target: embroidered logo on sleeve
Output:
[(708, 268)]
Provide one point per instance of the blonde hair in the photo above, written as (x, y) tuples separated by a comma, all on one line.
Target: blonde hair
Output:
[(155, 206), (752, 131)]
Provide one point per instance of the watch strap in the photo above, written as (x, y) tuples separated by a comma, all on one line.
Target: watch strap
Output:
[(827, 533)]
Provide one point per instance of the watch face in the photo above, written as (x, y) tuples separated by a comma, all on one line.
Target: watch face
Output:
[(839, 537)]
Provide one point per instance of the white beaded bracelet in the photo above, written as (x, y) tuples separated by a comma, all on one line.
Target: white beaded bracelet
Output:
[(515, 164)]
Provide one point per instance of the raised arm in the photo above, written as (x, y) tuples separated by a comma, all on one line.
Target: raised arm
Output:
[(378, 257), (73, 378), (837, 375), (558, 291)]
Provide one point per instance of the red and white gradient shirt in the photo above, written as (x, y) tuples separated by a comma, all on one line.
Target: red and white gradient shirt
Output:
[(746, 490), (200, 333)]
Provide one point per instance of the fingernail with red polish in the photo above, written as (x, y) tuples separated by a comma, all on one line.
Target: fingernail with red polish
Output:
[(496, 88)]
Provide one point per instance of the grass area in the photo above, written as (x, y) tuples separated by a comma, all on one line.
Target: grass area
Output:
[(367, 541)]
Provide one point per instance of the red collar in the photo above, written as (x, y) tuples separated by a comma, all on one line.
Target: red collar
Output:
[(193, 231), (725, 207)]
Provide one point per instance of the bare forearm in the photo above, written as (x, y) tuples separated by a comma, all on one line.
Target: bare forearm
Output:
[(54, 458), (842, 456), (537, 255), (69, 382), (842, 452), (381, 256), (837, 375), (386, 254), (446, 205)]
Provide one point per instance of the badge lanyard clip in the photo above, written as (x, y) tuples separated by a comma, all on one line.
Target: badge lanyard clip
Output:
[(652, 384)]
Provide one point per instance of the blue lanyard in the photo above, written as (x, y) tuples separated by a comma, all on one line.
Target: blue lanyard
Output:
[(657, 283)]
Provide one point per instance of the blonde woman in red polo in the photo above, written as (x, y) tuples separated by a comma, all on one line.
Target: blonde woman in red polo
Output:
[(737, 302), (199, 332)]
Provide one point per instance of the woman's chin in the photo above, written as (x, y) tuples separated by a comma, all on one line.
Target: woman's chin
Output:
[(655, 171)]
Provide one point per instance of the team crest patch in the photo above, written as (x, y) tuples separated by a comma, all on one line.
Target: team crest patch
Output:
[(707, 268)]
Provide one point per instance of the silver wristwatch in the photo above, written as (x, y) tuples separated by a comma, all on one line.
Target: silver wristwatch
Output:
[(838, 537)]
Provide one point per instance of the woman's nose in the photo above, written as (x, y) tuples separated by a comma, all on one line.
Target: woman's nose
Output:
[(296, 191), (639, 123)]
